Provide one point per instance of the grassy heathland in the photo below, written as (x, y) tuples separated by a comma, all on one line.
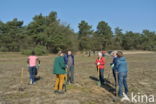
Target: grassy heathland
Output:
[(141, 78)]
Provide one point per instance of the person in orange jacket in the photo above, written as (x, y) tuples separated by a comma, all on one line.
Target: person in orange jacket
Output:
[(100, 63)]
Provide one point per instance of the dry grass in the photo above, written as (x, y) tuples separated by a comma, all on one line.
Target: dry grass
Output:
[(141, 78)]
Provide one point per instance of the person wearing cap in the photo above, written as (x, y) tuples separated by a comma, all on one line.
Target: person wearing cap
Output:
[(59, 70), (100, 63), (122, 70)]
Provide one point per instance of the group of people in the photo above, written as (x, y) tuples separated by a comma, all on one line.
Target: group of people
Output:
[(63, 68), (119, 69)]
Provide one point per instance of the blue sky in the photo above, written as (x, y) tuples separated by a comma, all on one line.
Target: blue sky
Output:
[(130, 15)]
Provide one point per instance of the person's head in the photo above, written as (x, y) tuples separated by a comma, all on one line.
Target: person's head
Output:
[(69, 52), (33, 53), (60, 53), (99, 54), (114, 53), (120, 54)]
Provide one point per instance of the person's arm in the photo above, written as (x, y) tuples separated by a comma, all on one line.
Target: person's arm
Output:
[(66, 59), (38, 60), (53, 67), (73, 60), (117, 65), (28, 61), (113, 63), (96, 61)]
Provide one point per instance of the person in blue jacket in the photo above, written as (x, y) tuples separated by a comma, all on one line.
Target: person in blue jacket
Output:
[(69, 61), (122, 70)]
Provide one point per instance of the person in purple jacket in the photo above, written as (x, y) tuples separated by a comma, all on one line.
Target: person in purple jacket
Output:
[(69, 61)]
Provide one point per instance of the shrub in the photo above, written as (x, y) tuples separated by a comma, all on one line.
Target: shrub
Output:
[(4, 49), (27, 52), (39, 50)]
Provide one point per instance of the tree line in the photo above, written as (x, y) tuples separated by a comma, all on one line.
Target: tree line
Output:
[(47, 34)]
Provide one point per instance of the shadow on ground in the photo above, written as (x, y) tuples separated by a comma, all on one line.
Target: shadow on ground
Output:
[(108, 85), (37, 78)]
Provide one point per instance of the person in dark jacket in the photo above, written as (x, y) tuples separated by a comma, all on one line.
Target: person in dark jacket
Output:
[(113, 65), (122, 70), (69, 61), (59, 69)]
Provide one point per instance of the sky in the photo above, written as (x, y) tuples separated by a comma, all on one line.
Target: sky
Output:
[(129, 15)]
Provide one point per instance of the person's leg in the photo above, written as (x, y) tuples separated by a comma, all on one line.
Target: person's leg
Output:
[(98, 71), (36, 71), (72, 74), (68, 75), (120, 83), (30, 73), (33, 74), (61, 78), (56, 82), (114, 75), (102, 76), (125, 83)]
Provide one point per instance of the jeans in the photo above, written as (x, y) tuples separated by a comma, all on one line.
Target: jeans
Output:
[(32, 71), (122, 79), (101, 76), (114, 75), (70, 74)]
